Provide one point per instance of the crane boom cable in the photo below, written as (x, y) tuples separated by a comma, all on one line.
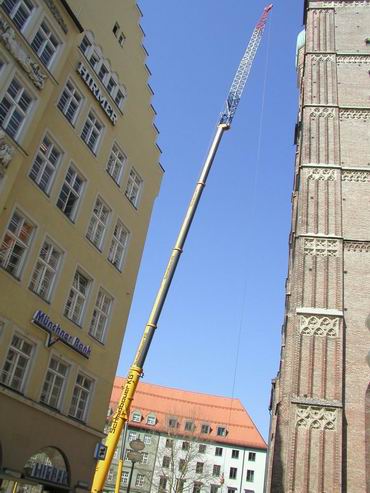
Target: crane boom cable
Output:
[(121, 415)]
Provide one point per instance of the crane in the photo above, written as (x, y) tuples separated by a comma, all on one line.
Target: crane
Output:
[(122, 412)]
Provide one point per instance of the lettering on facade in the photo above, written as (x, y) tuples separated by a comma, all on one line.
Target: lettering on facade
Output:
[(95, 90), (56, 333), (49, 473)]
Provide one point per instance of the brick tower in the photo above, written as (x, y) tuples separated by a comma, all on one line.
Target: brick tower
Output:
[(320, 406)]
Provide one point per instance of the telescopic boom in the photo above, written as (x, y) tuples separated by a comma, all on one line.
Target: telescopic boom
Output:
[(122, 412)]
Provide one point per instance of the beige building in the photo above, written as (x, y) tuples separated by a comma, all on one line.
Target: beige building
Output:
[(79, 173), (320, 410)]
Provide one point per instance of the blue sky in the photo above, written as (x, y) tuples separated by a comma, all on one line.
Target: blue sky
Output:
[(229, 286)]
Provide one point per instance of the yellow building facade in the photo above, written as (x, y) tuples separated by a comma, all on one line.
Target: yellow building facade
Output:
[(79, 173)]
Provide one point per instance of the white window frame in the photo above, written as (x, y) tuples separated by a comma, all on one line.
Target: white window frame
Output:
[(132, 436), (136, 417), (78, 391), (15, 116), (140, 480), (151, 419), (147, 439), (46, 269), (78, 295), (92, 132), (101, 316), (116, 163), (124, 478), (14, 233), (119, 245), (69, 190), (98, 223), (13, 363), (134, 187), (45, 165), (71, 96), (144, 458), (49, 38), (15, 10), (54, 379)]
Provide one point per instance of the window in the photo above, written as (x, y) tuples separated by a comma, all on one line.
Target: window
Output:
[(218, 451), (199, 467), (94, 60), (17, 362), (100, 319), (250, 475), (70, 193), (116, 29), (14, 108), (44, 274), (205, 428), (121, 39), (103, 72), (45, 164), (231, 490), (16, 242), (116, 163), (162, 483), (235, 454), (136, 417), (189, 426), (85, 44), (18, 10), (144, 458), (180, 483), (252, 456), (133, 188), (151, 419), (185, 445), (132, 436), (98, 223), (202, 448), (81, 397), (197, 487), (119, 99), (172, 422), (45, 44), (182, 465), (111, 86), (233, 472), (214, 488), (124, 478), (147, 439), (55, 380), (70, 102), (221, 431), (77, 298), (110, 476), (118, 248), (248, 491), (92, 132), (140, 478), (216, 470), (169, 443), (166, 461)]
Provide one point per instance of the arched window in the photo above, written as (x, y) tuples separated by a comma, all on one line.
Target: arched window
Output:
[(49, 465)]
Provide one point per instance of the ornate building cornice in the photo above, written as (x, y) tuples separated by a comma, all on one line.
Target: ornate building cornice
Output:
[(57, 15), (6, 150)]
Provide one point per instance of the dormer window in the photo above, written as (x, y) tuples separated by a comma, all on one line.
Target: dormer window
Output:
[(221, 431), (151, 420), (172, 422), (205, 428), (189, 426), (136, 416)]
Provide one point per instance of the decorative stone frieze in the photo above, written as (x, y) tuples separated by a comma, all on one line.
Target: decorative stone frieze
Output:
[(9, 40), (356, 176), (359, 59), (322, 113), (322, 174), (6, 151), (316, 325), (321, 247), (358, 3), (57, 15), (357, 246), (323, 58), (354, 114), (317, 418)]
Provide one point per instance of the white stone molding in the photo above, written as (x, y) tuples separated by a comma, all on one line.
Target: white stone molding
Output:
[(315, 417), (9, 40), (322, 112), (343, 3), (356, 176), (323, 58), (322, 174), (6, 151), (357, 246), (57, 15), (321, 326), (321, 247), (359, 59), (354, 114)]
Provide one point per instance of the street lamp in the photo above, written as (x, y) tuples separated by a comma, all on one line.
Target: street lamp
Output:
[(134, 455)]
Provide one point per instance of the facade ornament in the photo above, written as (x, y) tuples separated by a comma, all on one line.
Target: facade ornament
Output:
[(354, 114), (57, 15), (322, 174), (322, 58), (356, 176), (357, 246), (319, 325), (315, 417), (9, 40), (359, 59), (322, 112), (321, 247), (356, 3), (6, 150)]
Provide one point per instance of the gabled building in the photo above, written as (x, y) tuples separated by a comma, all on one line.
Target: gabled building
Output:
[(194, 443)]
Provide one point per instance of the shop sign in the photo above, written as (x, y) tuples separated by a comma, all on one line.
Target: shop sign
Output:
[(56, 333), (49, 473), (94, 88)]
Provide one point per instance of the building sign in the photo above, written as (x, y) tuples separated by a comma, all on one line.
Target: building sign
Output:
[(96, 91), (49, 473), (56, 333)]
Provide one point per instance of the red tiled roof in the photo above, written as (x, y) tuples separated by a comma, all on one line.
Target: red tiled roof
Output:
[(200, 408)]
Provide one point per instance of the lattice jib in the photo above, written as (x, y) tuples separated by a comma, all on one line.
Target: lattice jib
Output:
[(319, 325), (321, 247), (317, 418)]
